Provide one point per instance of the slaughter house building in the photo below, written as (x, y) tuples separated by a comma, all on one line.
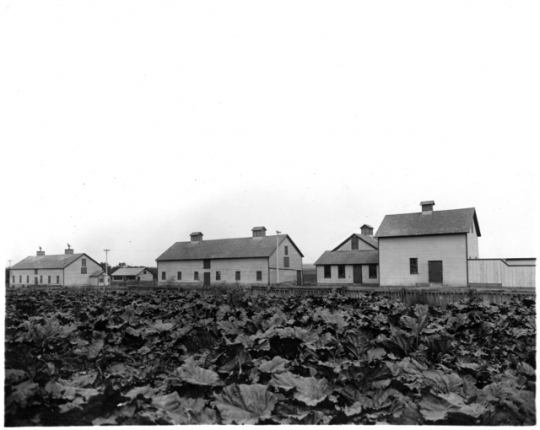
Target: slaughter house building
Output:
[(247, 260), (68, 269), (353, 261)]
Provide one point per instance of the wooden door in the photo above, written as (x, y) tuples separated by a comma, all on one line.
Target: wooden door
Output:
[(298, 277), (206, 279), (435, 272), (357, 274)]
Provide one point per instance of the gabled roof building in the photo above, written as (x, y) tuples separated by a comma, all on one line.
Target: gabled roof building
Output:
[(353, 261), (246, 260), (60, 269), (132, 274), (428, 247)]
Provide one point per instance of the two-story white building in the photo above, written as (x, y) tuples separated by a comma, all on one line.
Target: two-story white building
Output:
[(259, 259)]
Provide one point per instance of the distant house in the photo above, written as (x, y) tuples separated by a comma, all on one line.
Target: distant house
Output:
[(259, 259), (353, 261), (428, 247), (61, 269), (132, 274)]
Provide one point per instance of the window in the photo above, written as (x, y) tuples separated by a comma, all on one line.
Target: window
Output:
[(83, 261), (413, 264), (36, 280), (83, 270), (354, 242), (218, 276), (20, 279), (237, 276), (35, 271), (372, 271), (101, 279), (58, 279), (27, 279), (163, 276), (144, 273), (13, 278), (286, 250), (259, 275), (179, 276), (327, 272), (206, 264), (41, 279), (196, 276), (49, 279), (285, 261), (341, 271)]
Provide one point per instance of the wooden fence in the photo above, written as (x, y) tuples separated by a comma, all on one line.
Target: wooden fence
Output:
[(495, 272), (430, 296)]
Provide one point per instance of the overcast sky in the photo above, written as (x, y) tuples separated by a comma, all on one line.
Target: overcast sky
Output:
[(128, 125)]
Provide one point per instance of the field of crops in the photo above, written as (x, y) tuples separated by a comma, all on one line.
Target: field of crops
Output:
[(83, 358)]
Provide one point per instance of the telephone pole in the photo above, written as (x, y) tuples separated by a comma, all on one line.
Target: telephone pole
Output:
[(277, 257), (106, 263)]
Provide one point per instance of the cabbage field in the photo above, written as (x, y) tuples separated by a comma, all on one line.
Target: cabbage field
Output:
[(91, 358)]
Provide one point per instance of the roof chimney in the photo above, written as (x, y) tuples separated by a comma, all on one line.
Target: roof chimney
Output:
[(69, 251), (367, 230), (196, 236), (40, 253), (259, 231), (427, 207)]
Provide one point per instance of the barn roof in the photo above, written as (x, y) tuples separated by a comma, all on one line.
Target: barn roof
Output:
[(348, 257), (437, 222), (128, 271), (367, 239), (245, 247), (59, 261)]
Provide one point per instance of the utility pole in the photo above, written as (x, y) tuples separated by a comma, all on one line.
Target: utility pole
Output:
[(106, 263), (277, 257)]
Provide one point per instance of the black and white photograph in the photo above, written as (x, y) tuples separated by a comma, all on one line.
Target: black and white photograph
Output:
[(269, 213)]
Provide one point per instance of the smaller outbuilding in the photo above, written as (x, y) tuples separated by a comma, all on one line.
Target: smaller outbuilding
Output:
[(133, 274), (353, 261)]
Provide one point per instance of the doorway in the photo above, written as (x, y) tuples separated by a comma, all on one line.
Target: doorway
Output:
[(357, 274), (206, 279), (435, 272)]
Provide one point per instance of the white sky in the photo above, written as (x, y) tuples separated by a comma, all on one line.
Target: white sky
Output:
[(128, 125)]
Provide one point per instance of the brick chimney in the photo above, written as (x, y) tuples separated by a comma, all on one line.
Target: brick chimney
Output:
[(40, 253), (367, 230), (196, 236), (69, 251), (259, 231), (427, 207)]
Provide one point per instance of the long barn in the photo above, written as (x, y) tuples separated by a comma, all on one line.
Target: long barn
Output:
[(258, 259)]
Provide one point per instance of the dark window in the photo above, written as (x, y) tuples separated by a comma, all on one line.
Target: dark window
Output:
[(259, 275), (327, 272), (13, 278), (35, 280), (163, 276), (27, 279), (83, 270), (341, 271), (237, 276), (35, 271), (218, 276), (20, 279), (179, 276), (49, 280), (285, 261), (83, 261), (144, 273), (41, 279), (196, 276), (413, 263), (100, 279), (58, 279), (354, 242), (373, 271), (286, 250), (206, 264)]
